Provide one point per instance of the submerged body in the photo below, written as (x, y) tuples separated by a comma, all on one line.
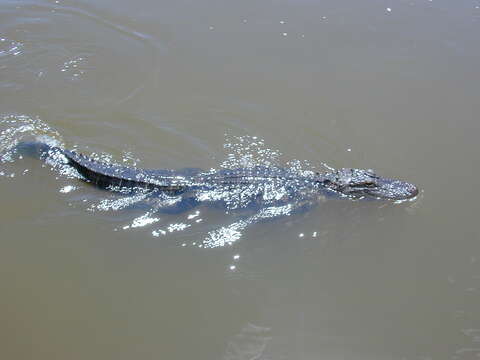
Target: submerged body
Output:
[(254, 182)]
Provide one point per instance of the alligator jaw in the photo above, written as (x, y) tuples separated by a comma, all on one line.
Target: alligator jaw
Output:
[(391, 189)]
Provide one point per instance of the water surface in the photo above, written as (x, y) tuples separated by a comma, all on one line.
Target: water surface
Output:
[(389, 85)]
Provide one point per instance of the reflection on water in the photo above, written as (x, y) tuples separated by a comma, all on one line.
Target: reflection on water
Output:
[(9, 47), (393, 86)]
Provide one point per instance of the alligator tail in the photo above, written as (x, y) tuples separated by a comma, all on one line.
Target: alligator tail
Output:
[(98, 174)]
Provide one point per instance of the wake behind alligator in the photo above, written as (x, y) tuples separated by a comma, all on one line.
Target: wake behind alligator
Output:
[(235, 188)]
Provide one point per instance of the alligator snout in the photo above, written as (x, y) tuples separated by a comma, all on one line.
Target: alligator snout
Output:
[(394, 190)]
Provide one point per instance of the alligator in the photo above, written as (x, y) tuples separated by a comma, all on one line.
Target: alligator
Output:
[(346, 182)]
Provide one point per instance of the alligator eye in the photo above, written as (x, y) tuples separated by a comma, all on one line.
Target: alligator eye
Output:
[(366, 184)]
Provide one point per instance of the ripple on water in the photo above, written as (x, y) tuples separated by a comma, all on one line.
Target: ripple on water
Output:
[(10, 48), (69, 47), (242, 152), (248, 151), (250, 343), (17, 128), (75, 68), (227, 235)]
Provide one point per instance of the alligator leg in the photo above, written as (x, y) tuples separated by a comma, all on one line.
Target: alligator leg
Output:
[(181, 206)]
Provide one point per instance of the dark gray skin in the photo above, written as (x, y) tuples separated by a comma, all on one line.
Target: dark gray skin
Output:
[(358, 182), (351, 183)]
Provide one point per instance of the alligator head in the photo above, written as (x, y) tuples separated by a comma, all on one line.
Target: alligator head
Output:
[(358, 183)]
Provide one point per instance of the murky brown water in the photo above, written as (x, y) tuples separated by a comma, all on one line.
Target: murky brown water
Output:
[(392, 85)]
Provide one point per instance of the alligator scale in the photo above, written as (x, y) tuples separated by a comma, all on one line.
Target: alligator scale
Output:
[(257, 182)]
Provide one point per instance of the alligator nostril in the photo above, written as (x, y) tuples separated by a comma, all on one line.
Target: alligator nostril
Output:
[(326, 182), (413, 191)]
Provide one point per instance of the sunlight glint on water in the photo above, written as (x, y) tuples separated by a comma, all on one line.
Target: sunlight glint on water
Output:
[(90, 274)]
